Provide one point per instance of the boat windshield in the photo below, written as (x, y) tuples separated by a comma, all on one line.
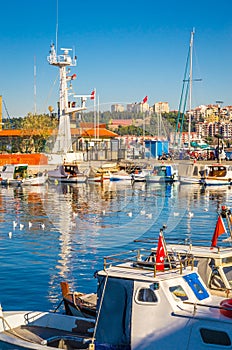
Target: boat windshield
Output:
[(228, 272)]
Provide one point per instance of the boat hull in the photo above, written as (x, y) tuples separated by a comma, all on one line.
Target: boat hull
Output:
[(189, 180), (68, 180)]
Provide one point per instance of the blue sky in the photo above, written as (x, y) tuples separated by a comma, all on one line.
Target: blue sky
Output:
[(125, 49)]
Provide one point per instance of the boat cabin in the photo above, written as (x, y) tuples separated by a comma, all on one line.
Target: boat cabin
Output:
[(15, 171), (213, 264), (142, 308)]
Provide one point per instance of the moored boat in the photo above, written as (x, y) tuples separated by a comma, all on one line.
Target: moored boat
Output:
[(43, 330), (121, 175), (37, 179), (162, 173), (100, 174), (67, 173), (217, 174), (77, 303), (14, 174), (152, 307)]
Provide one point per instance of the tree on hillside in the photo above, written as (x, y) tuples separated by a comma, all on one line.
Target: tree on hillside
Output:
[(35, 131)]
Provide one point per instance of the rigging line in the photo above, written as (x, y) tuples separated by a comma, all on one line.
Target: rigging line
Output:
[(6, 109), (50, 92)]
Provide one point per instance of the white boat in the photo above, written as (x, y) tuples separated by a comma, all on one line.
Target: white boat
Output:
[(160, 306), (138, 176), (162, 173), (121, 175), (190, 173), (43, 330), (13, 174), (102, 173), (217, 174), (37, 179), (67, 173)]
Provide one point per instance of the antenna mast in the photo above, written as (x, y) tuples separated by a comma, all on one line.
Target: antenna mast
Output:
[(57, 19)]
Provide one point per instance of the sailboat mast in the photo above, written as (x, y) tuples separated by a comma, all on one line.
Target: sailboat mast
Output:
[(190, 86), (35, 85)]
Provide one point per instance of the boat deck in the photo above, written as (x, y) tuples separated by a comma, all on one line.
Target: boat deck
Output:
[(51, 337)]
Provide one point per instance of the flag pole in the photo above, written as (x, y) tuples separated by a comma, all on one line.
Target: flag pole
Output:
[(165, 247)]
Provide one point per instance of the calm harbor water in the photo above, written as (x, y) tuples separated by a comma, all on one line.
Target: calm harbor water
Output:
[(63, 232)]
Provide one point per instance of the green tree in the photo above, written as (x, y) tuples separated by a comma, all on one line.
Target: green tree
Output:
[(35, 131)]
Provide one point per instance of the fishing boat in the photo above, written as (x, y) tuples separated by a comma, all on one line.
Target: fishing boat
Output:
[(217, 174), (162, 173), (67, 173), (102, 173), (142, 306), (37, 179), (44, 330), (77, 303), (190, 173), (13, 174), (138, 176)]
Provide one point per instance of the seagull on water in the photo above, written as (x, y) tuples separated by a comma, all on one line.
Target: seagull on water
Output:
[(149, 216), (29, 224), (10, 234), (21, 227), (129, 214), (42, 226), (14, 224)]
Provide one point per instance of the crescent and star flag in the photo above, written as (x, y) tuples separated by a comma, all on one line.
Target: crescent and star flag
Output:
[(92, 96), (219, 230), (145, 99), (160, 254)]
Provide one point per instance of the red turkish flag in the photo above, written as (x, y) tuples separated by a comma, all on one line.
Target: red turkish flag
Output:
[(219, 230), (92, 97), (160, 254), (145, 99)]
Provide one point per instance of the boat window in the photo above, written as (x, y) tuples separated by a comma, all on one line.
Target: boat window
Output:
[(196, 286), (216, 280), (146, 295), (212, 336), (228, 272), (178, 293)]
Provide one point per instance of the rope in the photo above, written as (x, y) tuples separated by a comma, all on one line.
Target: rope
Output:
[(60, 303), (99, 310), (11, 330)]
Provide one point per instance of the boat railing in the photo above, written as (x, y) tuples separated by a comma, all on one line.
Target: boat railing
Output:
[(188, 242), (145, 259)]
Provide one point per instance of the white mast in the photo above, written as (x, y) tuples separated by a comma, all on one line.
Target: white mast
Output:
[(63, 142), (190, 86), (35, 85)]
